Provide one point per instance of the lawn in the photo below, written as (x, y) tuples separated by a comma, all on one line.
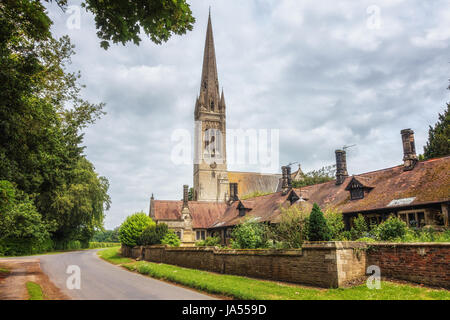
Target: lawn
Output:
[(252, 289), (4, 270), (34, 291)]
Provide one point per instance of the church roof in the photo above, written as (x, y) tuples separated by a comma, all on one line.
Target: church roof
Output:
[(203, 213), (250, 182)]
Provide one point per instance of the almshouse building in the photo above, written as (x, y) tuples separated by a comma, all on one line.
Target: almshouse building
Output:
[(416, 191)]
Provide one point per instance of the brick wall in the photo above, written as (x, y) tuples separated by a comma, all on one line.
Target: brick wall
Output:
[(427, 263), (328, 264)]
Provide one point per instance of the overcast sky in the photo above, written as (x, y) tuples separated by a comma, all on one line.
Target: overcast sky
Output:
[(325, 73)]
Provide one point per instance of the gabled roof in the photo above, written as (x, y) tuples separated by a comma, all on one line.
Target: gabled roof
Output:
[(203, 213), (429, 182)]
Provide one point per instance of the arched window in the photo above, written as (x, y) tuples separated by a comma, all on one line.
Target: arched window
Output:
[(212, 105)]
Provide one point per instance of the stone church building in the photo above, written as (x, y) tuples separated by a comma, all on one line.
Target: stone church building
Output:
[(416, 191)]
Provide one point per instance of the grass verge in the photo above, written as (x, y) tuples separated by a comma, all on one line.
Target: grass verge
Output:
[(34, 291), (252, 289), (112, 255)]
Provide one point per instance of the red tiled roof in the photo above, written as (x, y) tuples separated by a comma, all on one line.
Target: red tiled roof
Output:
[(203, 213), (428, 182)]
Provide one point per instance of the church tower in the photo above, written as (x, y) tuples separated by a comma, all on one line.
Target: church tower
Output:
[(210, 165)]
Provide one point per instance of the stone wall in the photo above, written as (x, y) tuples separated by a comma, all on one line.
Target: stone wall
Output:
[(427, 263), (328, 264)]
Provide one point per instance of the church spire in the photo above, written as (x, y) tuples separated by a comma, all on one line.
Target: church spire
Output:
[(209, 88)]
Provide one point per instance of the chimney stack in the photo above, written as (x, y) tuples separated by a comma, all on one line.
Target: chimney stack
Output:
[(234, 192), (409, 149), (286, 179), (341, 166), (185, 196)]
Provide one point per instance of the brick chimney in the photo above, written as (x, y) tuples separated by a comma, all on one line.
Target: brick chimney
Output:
[(286, 179), (185, 196), (341, 166), (234, 192), (409, 149)]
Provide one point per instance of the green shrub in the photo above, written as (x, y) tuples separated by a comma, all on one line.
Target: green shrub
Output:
[(360, 228), (209, 242), (171, 239), (22, 229), (132, 228), (318, 228), (249, 235), (392, 228), (290, 231), (153, 234), (335, 223)]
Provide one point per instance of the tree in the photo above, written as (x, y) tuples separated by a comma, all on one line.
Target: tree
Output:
[(438, 144), (41, 123), (322, 175), (131, 229), (121, 21), (318, 229)]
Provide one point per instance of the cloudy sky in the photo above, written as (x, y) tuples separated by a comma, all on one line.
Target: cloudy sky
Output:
[(324, 73)]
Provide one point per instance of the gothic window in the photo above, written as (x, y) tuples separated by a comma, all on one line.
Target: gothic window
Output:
[(205, 85), (212, 105)]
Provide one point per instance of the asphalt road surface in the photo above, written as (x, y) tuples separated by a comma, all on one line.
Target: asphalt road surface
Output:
[(101, 280)]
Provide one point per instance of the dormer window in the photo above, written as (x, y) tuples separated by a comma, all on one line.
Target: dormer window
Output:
[(293, 197), (358, 188), (242, 209)]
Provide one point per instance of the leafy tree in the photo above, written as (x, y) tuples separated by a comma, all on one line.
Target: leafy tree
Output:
[(131, 229), (438, 144), (106, 235), (360, 227), (153, 234), (121, 21), (318, 228), (322, 175), (171, 239), (40, 137), (249, 235)]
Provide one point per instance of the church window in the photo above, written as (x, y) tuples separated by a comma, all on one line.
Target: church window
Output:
[(212, 105)]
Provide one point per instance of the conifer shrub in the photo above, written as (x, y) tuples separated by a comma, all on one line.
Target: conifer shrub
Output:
[(318, 229)]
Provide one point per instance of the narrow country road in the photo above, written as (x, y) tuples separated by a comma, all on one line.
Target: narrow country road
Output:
[(101, 280)]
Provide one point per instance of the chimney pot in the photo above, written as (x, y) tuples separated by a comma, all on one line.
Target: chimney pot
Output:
[(185, 196), (409, 149), (286, 179), (341, 166)]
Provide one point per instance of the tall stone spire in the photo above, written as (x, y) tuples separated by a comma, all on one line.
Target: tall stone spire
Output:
[(210, 167), (209, 97)]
